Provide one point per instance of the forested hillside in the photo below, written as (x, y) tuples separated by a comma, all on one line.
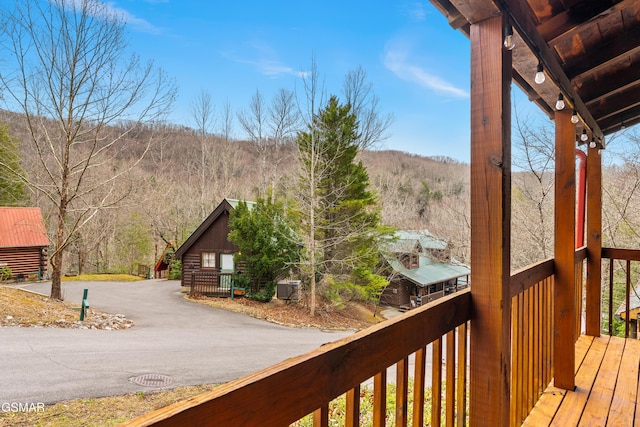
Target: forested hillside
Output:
[(184, 176)]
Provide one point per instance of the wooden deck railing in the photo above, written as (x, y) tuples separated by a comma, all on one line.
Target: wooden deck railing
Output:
[(210, 283), (287, 392), (532, 332), (628, 264)]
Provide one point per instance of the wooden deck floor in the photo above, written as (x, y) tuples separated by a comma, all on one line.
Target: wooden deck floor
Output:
[(606, 387)]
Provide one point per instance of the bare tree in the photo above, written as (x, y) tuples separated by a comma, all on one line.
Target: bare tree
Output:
[(283, 122), (253, 122), (358, 93), (532, 191), (203, 115), (66, 71), (228, 166)]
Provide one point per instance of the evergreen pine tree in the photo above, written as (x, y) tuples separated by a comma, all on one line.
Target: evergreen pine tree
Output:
[(12, 187)]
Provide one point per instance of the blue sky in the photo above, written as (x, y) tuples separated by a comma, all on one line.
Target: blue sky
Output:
[(418, 64)]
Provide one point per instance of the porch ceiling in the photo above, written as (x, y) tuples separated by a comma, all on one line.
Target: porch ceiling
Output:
[(590, 51)]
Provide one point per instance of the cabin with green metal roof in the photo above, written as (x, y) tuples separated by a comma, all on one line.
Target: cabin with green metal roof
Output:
[(420, 270)]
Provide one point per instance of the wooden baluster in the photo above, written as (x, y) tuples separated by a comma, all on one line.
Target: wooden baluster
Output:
[(611, 297), (418, 387), (379, 399), (436, 383), (353, 407), (321, 416), (450, 409), (402, 391), (461, 400), (627, 296)]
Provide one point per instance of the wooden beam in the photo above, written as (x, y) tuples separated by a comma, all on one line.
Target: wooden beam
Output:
[(594, 242), (623, 46), (630, 117), (525, 25), (491, 224), (565, 237), (614, 104), (593, 90), (567, 23)]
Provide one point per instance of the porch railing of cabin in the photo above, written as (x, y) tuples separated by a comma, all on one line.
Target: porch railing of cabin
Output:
[(212, 283), (287, 392), (624, 271), (532, 332)]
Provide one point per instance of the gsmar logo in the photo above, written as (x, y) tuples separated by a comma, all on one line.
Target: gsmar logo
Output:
[(22, 407)]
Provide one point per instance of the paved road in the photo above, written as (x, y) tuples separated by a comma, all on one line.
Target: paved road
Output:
[(191, 343)]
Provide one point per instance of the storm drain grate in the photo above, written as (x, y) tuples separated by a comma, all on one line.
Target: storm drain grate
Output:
[(152, 380)]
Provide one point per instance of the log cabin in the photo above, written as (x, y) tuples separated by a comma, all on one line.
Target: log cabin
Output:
[(207, 254), (521, 348), (23, 242), (420, 270)]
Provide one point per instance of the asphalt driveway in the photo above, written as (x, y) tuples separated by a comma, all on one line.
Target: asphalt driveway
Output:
[(184, 342)]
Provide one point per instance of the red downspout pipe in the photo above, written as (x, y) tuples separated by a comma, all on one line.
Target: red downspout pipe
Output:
[(582, 193)]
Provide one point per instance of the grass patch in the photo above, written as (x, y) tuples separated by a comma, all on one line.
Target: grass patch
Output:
[(102, 278), (104, 411), (26, 308)]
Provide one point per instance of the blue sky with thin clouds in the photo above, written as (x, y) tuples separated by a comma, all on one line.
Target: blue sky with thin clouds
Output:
[(418, 64)]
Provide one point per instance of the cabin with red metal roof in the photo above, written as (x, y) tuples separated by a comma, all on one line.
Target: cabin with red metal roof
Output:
[(23, 242)]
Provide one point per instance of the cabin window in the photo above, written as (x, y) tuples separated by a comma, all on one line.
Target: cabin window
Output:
[(208, 260), (226, 262)]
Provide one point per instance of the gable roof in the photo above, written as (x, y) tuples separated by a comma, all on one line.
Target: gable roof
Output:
[(22, 227), (408, 241), (430, 271), (227, 205)]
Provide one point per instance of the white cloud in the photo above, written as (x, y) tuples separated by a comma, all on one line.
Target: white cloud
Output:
[(418, 12), (109, 9), (137, 23), (397, 61), (266, 64)]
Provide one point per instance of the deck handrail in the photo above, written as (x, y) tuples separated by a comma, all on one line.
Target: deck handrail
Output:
[(288, 391), (532, 331), (627, 255)]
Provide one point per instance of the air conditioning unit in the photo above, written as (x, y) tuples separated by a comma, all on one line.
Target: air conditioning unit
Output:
[(289, 290)]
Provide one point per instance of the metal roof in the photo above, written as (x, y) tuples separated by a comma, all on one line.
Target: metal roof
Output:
[(430, 271), (426, 239), (22, 227)]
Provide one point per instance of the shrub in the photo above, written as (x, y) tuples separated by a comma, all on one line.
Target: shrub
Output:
[(5, 273), (175, 270), (265, 295)]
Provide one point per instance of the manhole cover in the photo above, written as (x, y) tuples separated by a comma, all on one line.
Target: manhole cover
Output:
[(152, 380)]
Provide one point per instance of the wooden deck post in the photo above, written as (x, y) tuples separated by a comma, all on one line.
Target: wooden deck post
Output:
[(594, 242), (490, 224), (564, 311)]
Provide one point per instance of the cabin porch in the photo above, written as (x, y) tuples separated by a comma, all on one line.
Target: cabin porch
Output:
[(512, 334), (606, 391)]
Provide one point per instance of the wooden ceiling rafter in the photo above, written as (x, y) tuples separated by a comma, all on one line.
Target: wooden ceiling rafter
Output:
[(565, 24), (616, 49), (522, 19), (590, 51)]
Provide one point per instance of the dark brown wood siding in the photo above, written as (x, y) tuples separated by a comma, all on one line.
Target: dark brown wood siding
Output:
[(396, 294), (214, 239), (25, 261)]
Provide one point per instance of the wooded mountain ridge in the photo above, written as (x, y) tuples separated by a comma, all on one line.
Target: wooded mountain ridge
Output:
[(184, 175)]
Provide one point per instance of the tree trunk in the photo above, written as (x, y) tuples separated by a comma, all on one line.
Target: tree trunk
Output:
[(56, 260)]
